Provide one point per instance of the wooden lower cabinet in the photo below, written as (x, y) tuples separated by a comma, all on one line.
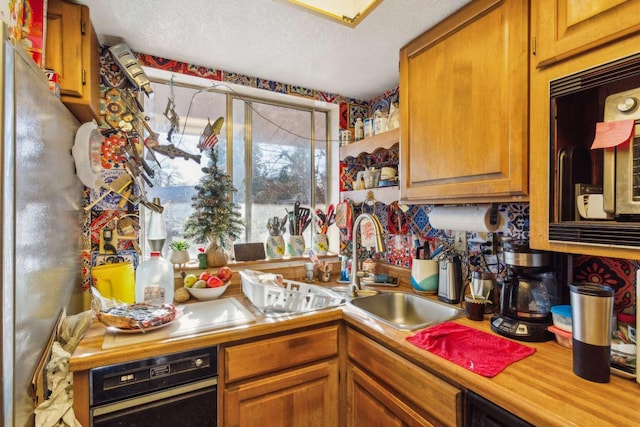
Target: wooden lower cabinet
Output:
[(372, 404), (288, 380), (304, 397), (384, 389)]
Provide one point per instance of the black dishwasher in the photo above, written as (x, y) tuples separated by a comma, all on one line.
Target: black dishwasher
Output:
[(480, 412), (178, 389)]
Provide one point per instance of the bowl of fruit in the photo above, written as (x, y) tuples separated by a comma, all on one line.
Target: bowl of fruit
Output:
[(208, 285)]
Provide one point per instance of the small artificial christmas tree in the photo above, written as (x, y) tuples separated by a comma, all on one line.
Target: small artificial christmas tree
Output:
[(216, 219)]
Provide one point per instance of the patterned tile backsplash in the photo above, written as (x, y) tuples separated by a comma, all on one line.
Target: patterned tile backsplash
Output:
[(415, 229), (405, 230)]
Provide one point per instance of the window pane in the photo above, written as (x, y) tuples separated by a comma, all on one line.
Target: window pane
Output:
[(271, 156), (176, 178), (281, 153), (321, 159), (239, 162)]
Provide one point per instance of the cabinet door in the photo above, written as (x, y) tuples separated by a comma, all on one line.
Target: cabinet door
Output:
[(568, 27), (370, 404), (464, 116), (541, 154), (260, 357), (303, 397), (72, 51), (411, 392)]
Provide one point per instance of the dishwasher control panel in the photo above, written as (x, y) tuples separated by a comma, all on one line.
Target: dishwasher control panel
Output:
[(119, 381)]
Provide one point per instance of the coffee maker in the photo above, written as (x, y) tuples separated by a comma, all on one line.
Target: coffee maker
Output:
[(529, 292)]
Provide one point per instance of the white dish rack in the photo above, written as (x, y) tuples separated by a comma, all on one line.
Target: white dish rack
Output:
[(276, 296)]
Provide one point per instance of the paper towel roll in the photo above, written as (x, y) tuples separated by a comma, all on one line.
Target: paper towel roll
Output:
[(466, 218)]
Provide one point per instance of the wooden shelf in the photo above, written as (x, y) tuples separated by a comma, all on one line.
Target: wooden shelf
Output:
[(384, 195), (369, 145)]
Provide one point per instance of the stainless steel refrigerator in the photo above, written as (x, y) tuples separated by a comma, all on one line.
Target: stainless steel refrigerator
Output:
[(41, 224)]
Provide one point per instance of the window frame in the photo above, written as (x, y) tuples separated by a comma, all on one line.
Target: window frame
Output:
[(250, 95)]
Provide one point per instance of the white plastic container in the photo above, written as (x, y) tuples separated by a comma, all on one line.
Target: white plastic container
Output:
[(154, 281), (561, 315)]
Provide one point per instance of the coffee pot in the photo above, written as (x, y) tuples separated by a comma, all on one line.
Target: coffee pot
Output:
[(528, 294)]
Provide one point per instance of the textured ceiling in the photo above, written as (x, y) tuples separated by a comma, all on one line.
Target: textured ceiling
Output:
[(272, 40)]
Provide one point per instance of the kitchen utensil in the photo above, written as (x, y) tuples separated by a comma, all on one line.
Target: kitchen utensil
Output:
[(591, 310), (304, 219), (133, 151), (450, 280), (116, 186), (132, 166), (331, 215), (370, 176), (296, 215), (526, 299)]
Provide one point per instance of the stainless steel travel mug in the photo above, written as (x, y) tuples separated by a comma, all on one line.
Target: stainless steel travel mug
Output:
[(591, 308)]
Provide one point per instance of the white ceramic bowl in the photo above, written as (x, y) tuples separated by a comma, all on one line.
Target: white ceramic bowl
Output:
[(204, 294)]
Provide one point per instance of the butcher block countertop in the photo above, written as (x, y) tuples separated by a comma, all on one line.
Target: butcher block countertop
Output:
[(541, 388)]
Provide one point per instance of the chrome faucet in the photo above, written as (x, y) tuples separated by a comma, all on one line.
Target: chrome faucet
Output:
[(379, 247)]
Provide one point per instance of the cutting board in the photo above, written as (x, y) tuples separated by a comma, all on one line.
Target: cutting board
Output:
[(196, 317)]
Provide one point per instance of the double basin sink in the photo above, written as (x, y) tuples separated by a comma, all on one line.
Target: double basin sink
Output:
[(406, 311)]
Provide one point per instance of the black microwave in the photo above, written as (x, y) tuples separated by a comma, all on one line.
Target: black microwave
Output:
[(595, 193)]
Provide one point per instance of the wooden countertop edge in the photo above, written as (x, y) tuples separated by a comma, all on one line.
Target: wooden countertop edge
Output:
[(554, 395), (90, 354)]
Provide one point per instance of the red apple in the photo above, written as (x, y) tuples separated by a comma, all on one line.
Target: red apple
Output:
[(205, 275), (214, 282), (225, 273)]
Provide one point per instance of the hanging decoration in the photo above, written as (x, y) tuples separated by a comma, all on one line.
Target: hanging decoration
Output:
[(209, 137), (172, 152), (171, 115)]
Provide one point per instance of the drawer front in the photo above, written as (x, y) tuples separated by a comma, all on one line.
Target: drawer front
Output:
[(433, 395), (274, 354)]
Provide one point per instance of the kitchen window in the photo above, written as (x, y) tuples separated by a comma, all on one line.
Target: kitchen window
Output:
[(275, 152)]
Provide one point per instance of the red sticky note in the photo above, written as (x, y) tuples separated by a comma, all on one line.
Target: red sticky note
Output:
[(612, 134)]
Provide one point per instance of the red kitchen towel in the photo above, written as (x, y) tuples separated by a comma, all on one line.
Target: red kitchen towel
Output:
[(480, 352)]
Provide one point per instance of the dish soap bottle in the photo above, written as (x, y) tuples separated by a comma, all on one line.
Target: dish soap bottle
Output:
[(154, 281)]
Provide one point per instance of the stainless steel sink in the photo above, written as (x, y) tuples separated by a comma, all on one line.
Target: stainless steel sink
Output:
[(406, 311)]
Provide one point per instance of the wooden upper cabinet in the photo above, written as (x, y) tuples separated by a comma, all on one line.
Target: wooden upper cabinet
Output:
[(72, 51), (568, 27), (464, 107)]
